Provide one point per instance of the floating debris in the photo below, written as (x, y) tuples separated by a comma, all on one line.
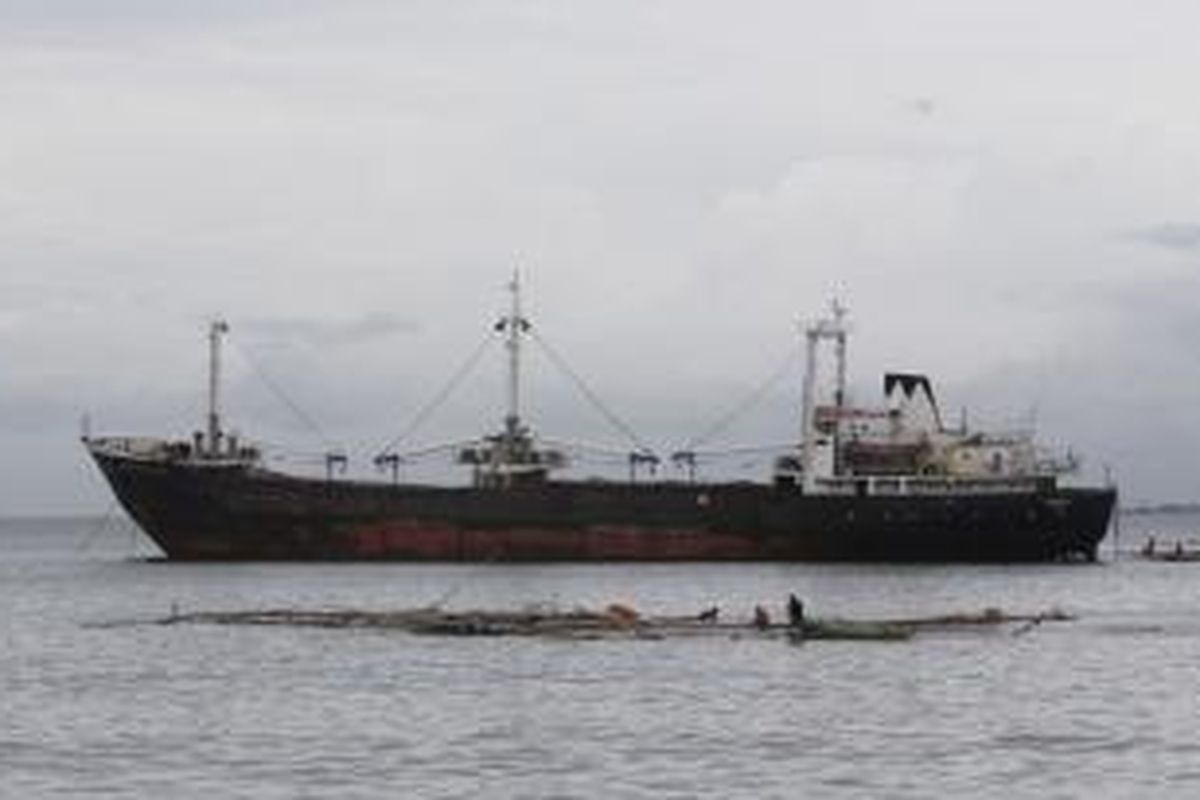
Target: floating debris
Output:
[(615, 621), (989, 616)]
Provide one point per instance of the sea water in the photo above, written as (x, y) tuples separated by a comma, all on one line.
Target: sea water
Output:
[(96, 700)]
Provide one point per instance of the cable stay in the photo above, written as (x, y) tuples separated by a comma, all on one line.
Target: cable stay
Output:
[(334, 457), (387, 454), (514, 455), (606, 455), (732, 452), (393, 460), (585, 447), (282, 452), (690, 459), (688, 455), (299, 457), (277, 390), (754, 398), (644, 453), (412, 456), (333, 460)]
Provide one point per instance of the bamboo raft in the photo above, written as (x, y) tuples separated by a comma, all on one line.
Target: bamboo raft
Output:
[(616, 621)]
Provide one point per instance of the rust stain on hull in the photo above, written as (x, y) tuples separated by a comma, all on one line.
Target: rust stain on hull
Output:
[(413, 539)]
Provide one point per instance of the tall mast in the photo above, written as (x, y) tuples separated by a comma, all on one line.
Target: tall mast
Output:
[(808, 429), (829, 328), (839, 335), (515, 325), (511, 457), (839, 397), (215, 331)]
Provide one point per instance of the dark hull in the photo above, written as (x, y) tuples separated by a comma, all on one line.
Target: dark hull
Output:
[(236, 513)]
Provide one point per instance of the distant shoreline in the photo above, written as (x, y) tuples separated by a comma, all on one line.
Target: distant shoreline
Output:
[(1161, 508), (1129, 511)]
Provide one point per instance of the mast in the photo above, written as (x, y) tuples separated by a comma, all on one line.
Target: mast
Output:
[(511, 457), (514, 325), (806, 408), (216, 330), (828, 328), (839, 397)]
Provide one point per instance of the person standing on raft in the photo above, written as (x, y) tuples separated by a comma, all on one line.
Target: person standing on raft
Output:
[(796, 612), (762, 620)]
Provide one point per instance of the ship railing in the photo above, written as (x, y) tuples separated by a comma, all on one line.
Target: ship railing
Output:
[(888, 485), (135, 446), (146, 448)]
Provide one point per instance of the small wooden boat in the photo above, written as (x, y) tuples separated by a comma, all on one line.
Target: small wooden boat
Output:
[(852, 630), (1178, 552)]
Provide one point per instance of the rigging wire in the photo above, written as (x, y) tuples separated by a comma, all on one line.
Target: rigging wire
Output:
[(584, 447), (742, 451), (722, 423), (437, 449), (581, 453), (591, 396), (98, 527), (436, 402), (284, 453), (283, 397)]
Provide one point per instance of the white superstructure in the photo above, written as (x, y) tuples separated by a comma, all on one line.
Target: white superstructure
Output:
[(903, 445)]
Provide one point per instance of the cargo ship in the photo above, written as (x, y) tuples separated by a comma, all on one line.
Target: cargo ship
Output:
[(891, 483)]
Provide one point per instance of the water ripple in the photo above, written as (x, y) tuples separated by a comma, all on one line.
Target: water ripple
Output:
[(1098, 708)]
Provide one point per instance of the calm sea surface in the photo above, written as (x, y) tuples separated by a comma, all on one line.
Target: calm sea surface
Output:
[(94, 704)]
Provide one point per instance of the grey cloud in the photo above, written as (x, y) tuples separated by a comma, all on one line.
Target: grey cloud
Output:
[(922, 106), (1181, 236), (681, 182)]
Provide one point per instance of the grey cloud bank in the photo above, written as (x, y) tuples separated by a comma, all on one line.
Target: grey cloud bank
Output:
[(1173, 235), (1007, 197)]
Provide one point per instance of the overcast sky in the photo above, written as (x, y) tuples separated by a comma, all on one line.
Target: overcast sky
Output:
[(1006, 195)]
